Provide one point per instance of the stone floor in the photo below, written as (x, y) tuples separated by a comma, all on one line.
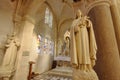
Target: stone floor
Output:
[(56, 74), (52, 77)]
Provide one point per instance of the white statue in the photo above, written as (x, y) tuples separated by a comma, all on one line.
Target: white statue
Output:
[(67, 43), (83, 45), (12, 46)]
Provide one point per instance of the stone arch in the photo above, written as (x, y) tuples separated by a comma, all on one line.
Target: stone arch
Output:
[(65, 21), (66, 17), (51, 9), (32, 12), (96, 3)]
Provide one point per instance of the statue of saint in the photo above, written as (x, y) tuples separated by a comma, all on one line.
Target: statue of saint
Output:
[(67, 43), (83, 44), (12, 46)]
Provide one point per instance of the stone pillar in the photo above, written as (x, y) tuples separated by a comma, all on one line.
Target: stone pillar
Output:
[(116, 22), (25, 49), (108, 61)]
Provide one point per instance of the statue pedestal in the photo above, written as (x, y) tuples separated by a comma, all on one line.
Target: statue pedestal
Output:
[(82, 75), (6, 73)]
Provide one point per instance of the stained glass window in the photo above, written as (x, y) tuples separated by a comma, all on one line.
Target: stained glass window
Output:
[(48, 17), (46, 46)]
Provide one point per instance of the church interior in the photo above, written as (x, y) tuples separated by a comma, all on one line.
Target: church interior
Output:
[(59, 39)]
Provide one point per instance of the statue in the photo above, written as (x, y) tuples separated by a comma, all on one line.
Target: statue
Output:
[(83, 48), (63, 59), (12, 46), (67, 43)]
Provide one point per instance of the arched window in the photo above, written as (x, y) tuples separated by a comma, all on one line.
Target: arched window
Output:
[(48, 17)]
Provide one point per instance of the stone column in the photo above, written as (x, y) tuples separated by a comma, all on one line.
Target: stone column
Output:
[(116, 22), (108, 61), (25, 49)]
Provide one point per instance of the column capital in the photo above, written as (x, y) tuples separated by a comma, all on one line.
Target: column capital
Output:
[(29, 19), (94, 3), (18, 18), (19, 22)]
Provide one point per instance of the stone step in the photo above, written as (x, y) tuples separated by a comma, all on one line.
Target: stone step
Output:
[(56, 74), (52, 77)]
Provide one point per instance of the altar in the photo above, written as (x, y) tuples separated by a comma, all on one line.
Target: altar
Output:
[(63, 61)]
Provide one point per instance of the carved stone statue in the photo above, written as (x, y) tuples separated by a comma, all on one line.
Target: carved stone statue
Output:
[(12, 46), (7, 68), (83, 45), (67, 43)]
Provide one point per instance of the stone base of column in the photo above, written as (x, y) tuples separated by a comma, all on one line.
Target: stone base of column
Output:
[(81, 75)]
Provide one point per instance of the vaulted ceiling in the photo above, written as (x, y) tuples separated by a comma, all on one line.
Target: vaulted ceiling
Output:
[(6, 5), (63, 14), (62, 10)]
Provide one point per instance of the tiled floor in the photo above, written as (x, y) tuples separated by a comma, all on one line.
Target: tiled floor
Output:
[(56, 74), (53, 77)]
